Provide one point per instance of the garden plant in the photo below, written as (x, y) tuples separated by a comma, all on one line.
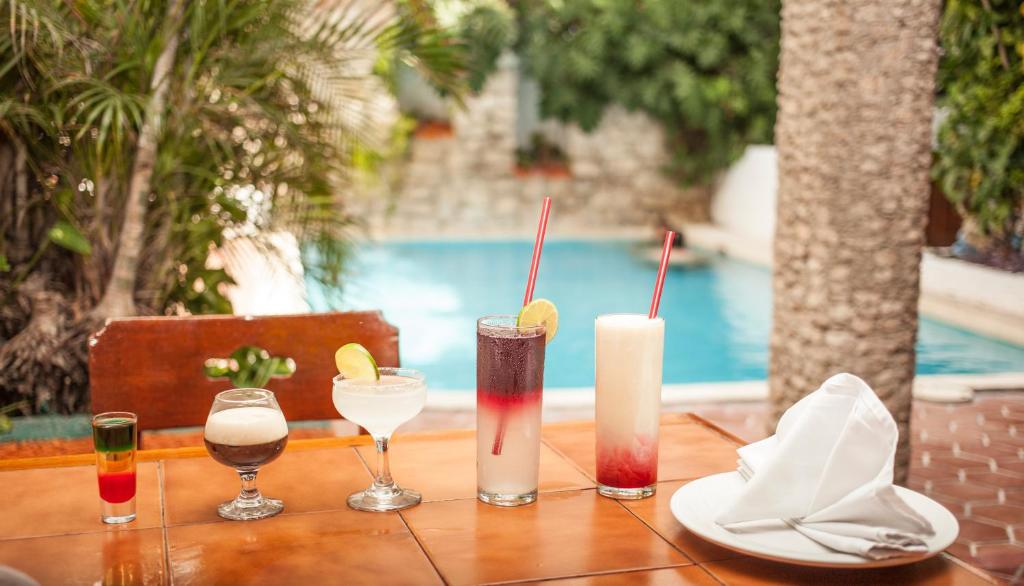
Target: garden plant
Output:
[(137, 137)]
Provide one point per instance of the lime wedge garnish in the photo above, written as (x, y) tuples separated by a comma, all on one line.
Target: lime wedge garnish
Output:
[(355, 362), (540, 312)]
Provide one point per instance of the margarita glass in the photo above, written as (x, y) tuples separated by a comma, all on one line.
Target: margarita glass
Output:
[(380, 406)]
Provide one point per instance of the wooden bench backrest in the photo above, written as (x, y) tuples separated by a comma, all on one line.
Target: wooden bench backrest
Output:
[(153, 366)]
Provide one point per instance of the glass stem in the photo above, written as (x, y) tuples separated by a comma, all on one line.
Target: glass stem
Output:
[(383, 479), (249, 495)]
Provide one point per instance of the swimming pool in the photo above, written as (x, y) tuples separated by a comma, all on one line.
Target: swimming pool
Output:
[(717, 317)]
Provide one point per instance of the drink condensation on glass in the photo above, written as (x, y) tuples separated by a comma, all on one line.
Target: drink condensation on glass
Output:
[(629, 350), (509, 388), (245, 430), (115, 436)]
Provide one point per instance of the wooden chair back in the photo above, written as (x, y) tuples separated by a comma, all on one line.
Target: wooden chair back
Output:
[(154, 366)]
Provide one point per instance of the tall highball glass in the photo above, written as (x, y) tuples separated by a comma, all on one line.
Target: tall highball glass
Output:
[(509, 388), (629, 350)]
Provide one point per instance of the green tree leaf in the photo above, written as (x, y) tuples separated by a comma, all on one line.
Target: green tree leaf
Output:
[(64, 234), (705, 70), (979, 155)]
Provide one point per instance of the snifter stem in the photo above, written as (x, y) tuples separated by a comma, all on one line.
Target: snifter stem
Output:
[(249, 495)]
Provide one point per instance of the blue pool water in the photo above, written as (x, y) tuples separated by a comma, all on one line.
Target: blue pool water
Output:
[(717, 318)]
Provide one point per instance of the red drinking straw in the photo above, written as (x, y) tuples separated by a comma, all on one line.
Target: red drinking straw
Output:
[(538, 245), (666, 251)]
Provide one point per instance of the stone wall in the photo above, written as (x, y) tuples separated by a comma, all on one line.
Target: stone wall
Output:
[(466, 182)]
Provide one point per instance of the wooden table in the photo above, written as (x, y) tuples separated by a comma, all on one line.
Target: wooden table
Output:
[(49, 525)]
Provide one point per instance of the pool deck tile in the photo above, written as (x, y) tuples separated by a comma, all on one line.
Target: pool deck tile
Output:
[(113, 557), (445, 469), (967, 456), (473, 543), (60, 501), (338, 473)]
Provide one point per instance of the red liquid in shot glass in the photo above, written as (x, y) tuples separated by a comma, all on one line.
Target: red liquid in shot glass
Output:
[(117, 487)]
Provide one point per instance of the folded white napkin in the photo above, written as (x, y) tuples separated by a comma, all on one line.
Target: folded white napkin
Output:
[(827, 472)]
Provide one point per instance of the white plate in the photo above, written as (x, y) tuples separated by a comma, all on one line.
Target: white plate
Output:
[(697, 504)]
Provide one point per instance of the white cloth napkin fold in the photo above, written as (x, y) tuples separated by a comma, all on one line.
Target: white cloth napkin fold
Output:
[(828, 472)]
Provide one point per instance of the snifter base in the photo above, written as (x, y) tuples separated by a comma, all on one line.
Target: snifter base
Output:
[(506, 500), (381, 500), (626, 493), (243, 510)]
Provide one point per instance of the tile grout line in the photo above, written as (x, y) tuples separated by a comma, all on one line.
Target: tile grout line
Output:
[(163, 523), (422, 547), (286, 512), (710, 574), (969, 567), (630, 511), (584, 473), (718, 430), (655, 531), (593, 574), (405, 523), (569, 460), (101, 531)]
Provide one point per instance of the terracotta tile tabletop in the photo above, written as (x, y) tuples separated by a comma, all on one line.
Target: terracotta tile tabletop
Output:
[(50, 528)]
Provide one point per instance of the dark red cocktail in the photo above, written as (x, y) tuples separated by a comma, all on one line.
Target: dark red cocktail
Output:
[(509, 387)]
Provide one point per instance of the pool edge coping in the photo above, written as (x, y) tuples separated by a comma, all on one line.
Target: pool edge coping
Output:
[(946, 388)]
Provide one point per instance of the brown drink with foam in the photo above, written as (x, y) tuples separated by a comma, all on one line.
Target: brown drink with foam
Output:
[(247, 437)]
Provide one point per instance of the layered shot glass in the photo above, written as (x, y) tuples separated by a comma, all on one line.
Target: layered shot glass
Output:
[(115, 437)]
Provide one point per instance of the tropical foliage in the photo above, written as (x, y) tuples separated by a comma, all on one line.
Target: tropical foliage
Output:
[(136, 137), (249, 367), (980, 154), (487, 28), (705, 70)]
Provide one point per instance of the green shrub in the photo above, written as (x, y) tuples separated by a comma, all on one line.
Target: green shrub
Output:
[(481, 29), (979, 160), (487, 29), (705, 70)]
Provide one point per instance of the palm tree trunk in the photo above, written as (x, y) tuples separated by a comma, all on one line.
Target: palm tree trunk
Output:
[(119, 297), (856, 91), (22, 234), (7, 206)]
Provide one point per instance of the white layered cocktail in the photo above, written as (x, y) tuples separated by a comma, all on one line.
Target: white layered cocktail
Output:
[(629, 350)]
